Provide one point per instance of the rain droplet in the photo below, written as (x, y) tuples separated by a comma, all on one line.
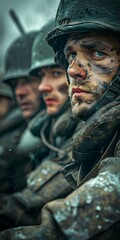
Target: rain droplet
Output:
[(89, 199), (21, 235), (117, 211), (98, 208), (99, 227)]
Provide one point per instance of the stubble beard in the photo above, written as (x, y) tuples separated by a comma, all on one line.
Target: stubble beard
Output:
[(80, 106)]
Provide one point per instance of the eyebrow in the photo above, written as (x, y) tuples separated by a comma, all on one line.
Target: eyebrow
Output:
[(93, 44), (87, 45), (67, 49)]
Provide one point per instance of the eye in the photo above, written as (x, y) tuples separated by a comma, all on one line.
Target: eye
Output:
[(98, 55), (70, 57), (57, 73)]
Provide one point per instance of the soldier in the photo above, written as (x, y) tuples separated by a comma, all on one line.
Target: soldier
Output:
[(55, 130), (87, 39), (17, 64), (54, 92), (25, 88), (44, 68), (43, 64)]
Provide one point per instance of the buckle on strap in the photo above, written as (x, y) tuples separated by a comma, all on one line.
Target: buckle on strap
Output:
[(67, 172)]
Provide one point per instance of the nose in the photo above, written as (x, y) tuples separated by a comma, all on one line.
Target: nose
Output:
[(76, 71), (21, 90), (45, 86)]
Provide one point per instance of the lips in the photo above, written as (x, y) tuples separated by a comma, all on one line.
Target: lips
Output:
[(79, 90), (78, 93), (50, 101), (25, 106)]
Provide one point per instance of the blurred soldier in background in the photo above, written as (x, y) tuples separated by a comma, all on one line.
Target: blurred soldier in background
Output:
[(17, 64), (25, 88)]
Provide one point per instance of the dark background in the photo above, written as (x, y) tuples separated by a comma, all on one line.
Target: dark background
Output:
[(32, 14)]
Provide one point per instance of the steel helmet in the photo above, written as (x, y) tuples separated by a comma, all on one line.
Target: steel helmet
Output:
[(84, 15), (42, 54), (18, 57)]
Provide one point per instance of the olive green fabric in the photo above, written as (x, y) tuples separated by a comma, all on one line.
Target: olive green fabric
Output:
[(12, 126), (89, 212), (45, 182)]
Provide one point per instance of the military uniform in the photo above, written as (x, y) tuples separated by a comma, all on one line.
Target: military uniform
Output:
[(45, 183), (92, 210), (51, 153)]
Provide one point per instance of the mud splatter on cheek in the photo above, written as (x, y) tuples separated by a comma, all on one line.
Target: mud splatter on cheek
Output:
[(101, 87), (63, 89), (102, 69), (105, 86), (89, 71), (89, 65)]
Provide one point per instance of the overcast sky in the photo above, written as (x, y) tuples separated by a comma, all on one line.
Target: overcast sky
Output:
[(32, 13)]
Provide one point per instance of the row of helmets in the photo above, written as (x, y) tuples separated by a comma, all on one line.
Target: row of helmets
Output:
[(87, 15), (28, 53)]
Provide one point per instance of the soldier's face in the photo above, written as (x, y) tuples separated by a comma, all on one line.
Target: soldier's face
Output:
[(5, 104), (93, 61), (54, 88), (28, 96)]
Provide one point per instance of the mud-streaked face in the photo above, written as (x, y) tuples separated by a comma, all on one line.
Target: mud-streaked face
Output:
[(54, 88), (93, 61)]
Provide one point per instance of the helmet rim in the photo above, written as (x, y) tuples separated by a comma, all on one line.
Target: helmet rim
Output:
[(85, 26)]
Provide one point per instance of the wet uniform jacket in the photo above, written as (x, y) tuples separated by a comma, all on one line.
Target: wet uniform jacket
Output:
[(92, 210), (17, 154), (11, 128), (45, 183)]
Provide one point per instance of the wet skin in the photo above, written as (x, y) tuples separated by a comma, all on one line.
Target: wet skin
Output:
[(27, 95), (93, 61), (54, 88)]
